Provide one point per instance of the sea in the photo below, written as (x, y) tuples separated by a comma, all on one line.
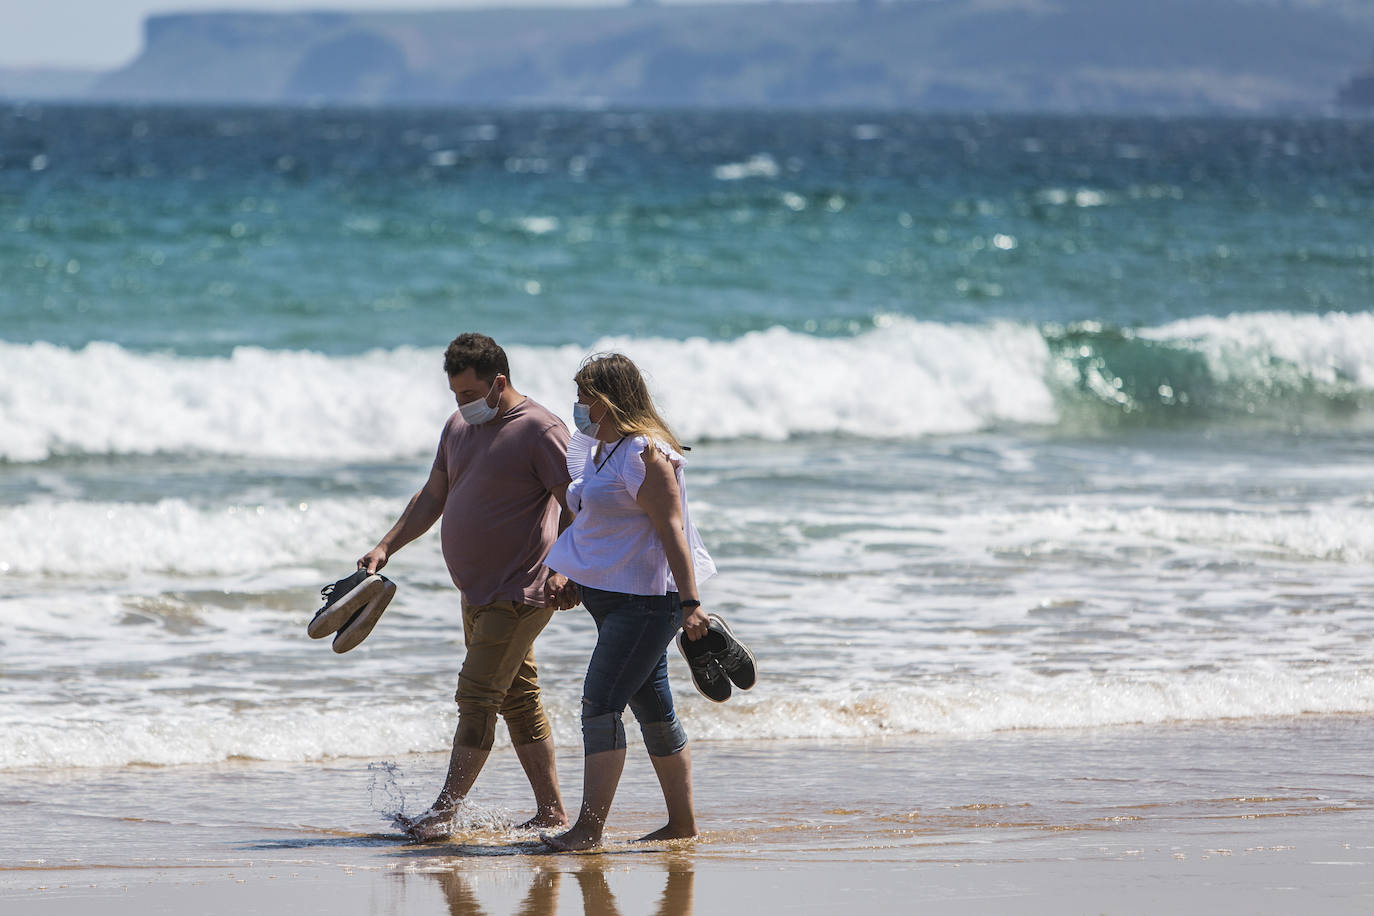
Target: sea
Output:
[(999, 425)]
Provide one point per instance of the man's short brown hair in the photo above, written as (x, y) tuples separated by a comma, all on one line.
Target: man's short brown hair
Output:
[(479, 353)]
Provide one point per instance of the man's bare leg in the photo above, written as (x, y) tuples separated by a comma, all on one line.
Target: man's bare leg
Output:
[(537, 758), (464, 765), (601, 776), (675, 778)]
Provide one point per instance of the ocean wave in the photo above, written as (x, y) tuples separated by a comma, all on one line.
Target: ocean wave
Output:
[(70, 736), (112, 541), (1266, 368), (104, 399), (1023, 700), (901, 379), (1334, 535)]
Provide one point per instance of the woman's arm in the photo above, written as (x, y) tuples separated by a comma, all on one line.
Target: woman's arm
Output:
[(661, 500)]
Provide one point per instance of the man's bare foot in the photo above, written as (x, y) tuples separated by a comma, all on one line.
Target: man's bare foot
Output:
[(575, 840), (669, 832), (434, 824), (547, 820)]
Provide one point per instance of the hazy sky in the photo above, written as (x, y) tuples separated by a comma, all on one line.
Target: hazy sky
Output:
[(107, 33)]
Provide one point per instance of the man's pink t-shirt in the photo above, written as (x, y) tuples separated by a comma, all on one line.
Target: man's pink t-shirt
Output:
[(500, 518)]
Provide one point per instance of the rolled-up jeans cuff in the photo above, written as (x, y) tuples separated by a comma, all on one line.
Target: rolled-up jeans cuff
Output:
[(663, 739), (604, 732)]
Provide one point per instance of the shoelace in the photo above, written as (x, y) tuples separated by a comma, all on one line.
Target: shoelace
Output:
[(707, 660)]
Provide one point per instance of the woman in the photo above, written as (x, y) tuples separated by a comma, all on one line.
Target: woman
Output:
[(637, 560)]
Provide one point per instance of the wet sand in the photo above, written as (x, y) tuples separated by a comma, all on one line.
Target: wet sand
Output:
[(1258, 817)]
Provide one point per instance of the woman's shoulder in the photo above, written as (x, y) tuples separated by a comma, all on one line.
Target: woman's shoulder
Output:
[(644, 446)]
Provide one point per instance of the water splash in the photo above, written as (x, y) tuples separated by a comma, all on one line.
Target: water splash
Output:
[(384, 791)]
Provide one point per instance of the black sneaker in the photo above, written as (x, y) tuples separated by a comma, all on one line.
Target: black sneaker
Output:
[(739, 663), (703, 661), (361, 623), (341, 600), (716, 659)]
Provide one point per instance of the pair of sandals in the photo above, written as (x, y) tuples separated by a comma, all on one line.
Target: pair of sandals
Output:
[(717, 660), (352, 607)]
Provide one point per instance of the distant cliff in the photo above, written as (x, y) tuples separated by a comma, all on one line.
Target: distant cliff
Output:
[(1010, 55)]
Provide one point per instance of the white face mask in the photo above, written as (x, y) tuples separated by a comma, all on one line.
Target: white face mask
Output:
[(479, 411), (582, 419)]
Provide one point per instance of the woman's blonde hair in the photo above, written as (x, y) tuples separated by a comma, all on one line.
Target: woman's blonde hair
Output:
[(615, 381)]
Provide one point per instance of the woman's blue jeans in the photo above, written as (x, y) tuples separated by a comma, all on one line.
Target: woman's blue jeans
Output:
[(629, 666)]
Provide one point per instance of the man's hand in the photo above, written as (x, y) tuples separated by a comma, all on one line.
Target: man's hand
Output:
[(560, 593), (373, 560)]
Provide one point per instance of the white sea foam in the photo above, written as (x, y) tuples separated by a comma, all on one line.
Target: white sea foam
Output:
[(114, 541), (69, 735), (72, 736), (104, 399), (760, 165), (929, 378), (902, 380), (1338, 535), (1027, 701)]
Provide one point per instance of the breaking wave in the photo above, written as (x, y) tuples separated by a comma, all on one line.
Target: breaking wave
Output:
[(901, 379)]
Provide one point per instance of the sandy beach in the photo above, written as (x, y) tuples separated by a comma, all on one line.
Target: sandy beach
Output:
[(1125, 820)]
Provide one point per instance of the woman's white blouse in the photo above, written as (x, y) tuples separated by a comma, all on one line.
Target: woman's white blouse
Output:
[(611, 543)]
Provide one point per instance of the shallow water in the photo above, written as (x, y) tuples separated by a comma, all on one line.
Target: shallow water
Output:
[(955, 586), (1254, 812)]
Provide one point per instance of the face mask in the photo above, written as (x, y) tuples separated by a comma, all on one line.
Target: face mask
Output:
[(478, 412), (582, 419)]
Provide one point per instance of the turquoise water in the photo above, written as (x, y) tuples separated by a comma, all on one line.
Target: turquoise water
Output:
[(999, 422), (198, 230)]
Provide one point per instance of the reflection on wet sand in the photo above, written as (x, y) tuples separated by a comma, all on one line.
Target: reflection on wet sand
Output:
[(542, 898)]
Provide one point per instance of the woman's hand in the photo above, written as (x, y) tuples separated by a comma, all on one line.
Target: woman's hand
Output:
[(560, 592), (694, 622)]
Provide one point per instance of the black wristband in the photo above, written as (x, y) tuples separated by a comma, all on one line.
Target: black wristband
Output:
[(691, 602)]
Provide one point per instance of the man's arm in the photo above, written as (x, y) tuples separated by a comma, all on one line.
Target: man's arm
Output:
[(559, 592), (419, 516), (565, 515)]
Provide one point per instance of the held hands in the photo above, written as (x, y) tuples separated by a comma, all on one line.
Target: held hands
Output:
[(373, 560), (560, 593), (694, 622)]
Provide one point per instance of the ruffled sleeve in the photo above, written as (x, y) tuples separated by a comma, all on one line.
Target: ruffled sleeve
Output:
[(579, 449), (632, 468)]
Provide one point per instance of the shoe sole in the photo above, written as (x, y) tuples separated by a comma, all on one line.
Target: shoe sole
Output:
[(358, 628), (747, 651), (682, 649), (337, 615)]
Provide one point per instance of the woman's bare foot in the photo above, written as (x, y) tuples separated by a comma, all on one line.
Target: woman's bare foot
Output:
[(575, 840), (669, 832)]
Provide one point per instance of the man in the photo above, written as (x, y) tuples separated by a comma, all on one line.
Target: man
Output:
[(498, 480)]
